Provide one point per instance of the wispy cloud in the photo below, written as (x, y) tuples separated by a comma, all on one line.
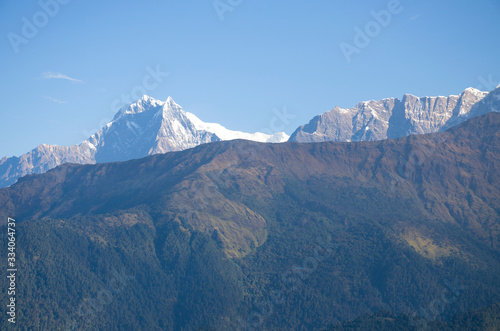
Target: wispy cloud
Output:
[(54, 100), (58, 75), (415, 17)]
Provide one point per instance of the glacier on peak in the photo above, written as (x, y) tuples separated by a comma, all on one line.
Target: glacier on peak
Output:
[(147, 103), (226, 134)]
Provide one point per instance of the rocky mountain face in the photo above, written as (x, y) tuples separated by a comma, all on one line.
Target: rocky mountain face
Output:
[(146, 127), (149, 127), (239, 234), (43, 158), (394, 118)]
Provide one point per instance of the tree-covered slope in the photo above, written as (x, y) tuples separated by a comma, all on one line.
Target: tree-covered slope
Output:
[(266, 236)]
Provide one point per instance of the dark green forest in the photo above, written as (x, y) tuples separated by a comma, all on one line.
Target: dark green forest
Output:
[(240, 235), (319, 266), (487, 318)]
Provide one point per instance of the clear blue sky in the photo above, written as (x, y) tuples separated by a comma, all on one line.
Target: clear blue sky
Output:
[(264, 55)]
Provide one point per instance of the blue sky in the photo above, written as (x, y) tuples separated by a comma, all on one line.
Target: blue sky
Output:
[(63, 81)]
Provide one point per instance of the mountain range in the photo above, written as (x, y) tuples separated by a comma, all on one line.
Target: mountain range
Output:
[(394, 118), (241, 234), (149, 126), (145, 127)]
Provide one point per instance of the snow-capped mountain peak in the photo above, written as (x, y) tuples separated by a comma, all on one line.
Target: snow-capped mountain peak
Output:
[(145, 127), (139, 106), (176, 117), (478, 94)]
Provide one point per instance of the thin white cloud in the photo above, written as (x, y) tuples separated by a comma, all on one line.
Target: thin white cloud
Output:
[(415, 17), (54, 100), (58, 75)]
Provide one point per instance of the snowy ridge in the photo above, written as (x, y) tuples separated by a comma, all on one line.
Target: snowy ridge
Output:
[(226, 134), (393, 118), (149, 126)]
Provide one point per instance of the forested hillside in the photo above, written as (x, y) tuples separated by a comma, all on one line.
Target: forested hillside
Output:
[(265, 236)]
